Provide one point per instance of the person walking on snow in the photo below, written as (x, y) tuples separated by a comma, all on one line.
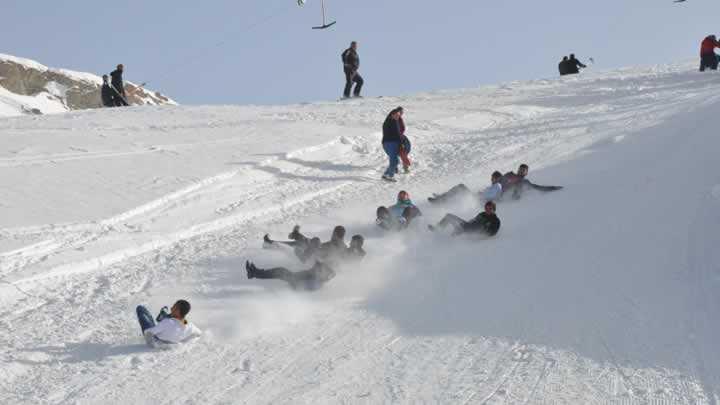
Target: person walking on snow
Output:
[(351, 64), (119, 86), (486, 223), (491, 193), (708, 58), (574, 65), (170, 328), (106, 93), (405, 145), (391, 140)]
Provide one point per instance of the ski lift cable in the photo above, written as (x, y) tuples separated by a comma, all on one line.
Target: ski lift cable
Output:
[(277, 12)]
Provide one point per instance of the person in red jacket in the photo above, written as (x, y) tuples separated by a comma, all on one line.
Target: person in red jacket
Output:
[(708, 58), (404, 144)]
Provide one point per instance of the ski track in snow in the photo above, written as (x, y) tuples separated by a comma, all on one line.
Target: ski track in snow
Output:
[(70, 285)]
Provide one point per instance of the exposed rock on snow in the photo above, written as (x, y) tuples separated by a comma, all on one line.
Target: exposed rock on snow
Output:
[(27, 87)]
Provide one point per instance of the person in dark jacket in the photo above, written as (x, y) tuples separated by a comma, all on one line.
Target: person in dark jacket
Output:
[(356, 252), (106, 93), (351, 64), (517, 183), (708, 58), (119, 86), (308, 280), (574, 65), (304, 248), (391, 140), (486, 223), (563, 66)]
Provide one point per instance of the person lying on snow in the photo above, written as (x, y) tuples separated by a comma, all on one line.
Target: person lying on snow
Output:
[(485, 224), (310, 248), (170, 328), (519, 183), (398, 216), (309, 280), (491, 193)]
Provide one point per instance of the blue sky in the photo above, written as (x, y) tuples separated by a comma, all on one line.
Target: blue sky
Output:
[(263, 51)]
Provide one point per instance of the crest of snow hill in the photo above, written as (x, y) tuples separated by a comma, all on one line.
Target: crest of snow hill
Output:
[(28, 87)]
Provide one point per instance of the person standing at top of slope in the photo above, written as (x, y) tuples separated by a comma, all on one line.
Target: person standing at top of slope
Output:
[(171, 328), (106, 93), (574, 65), (491, 193), (708, 58), (351, 64), (405, 145), (563, 66), (119, 86), (391, 140), (519, 183), (486, 223)]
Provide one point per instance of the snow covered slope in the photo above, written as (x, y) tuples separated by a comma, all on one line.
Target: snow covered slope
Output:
[(603, 293), (28, 87)]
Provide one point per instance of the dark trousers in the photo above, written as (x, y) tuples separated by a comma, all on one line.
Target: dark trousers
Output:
[(708, 60), (456, 191), (455, 221), (352, 76), (144, 318), (297, 280)]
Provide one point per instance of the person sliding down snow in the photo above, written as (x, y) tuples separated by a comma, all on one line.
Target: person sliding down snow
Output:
[(491, 193), (171, 328), (518, 183), (356, 252), (397, 216), (304, 248), (486, 223), (308, 280)]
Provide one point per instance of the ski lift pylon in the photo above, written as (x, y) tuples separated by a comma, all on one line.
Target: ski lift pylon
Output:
[(324, 24)]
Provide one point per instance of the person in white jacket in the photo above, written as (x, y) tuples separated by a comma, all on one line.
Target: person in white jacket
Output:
[(492, 193), (170, 328)]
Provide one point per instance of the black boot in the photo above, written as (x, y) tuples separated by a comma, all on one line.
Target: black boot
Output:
[(250, 268)]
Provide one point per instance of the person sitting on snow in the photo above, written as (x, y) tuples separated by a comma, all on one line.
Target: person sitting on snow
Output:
[(309, 280), (356, 252), (170, 328), (491, 193), (486, 223), (519, 183), (397, 216), (304, 248)]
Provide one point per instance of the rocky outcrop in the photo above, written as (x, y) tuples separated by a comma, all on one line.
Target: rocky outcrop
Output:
[(75, 90)]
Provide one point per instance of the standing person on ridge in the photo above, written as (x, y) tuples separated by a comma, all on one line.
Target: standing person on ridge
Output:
[(106, 93), (563, 66), (708, 58), (351, 64), (119, 86), (391, 140), (574, 65)]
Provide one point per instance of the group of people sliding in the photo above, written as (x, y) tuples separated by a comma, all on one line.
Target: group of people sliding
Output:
[(334, 253)]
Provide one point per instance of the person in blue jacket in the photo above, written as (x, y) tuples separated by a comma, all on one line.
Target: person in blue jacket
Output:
[(397, 216)]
